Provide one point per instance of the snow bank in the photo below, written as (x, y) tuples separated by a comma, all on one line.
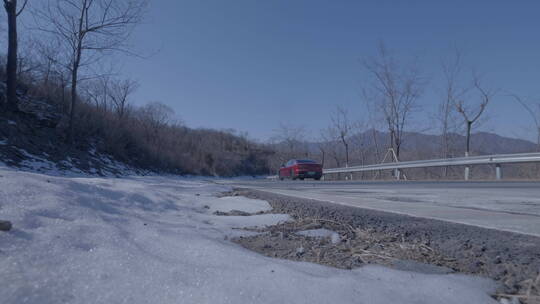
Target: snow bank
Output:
[(151, 240)]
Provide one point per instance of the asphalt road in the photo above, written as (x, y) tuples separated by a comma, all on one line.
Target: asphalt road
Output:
[(508, 206)]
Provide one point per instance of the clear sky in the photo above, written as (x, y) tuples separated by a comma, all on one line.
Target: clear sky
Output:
[(251, 65)]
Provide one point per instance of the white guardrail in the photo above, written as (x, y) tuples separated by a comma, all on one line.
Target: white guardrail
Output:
[(496, 160)]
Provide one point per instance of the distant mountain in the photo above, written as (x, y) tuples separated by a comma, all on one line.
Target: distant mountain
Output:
[(490, 143), (415, 143)]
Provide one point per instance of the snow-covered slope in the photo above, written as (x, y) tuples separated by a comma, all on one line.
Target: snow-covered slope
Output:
[(156, 240)]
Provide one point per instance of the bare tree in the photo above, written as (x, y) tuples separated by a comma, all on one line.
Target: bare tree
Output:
[(533, 108), (11, 65), (291, 141), (446, 115), (89, 29), (54, 74), (322, 150), (373, 124), (329, 140), (395, 91), (154, 118), (471, 113), (97, 92), (343, 128), (119, 94), (447, 111)]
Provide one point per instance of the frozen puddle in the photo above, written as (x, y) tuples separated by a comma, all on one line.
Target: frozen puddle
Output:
[(156, 240)]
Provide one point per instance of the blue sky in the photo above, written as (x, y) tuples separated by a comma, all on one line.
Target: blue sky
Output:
[(251, 65)]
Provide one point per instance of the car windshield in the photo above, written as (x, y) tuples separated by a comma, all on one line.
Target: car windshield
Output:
[(304, 161)]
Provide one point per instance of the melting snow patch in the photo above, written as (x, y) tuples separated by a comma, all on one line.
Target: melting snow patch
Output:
[(150, 240), (229, 203), (321, 233)]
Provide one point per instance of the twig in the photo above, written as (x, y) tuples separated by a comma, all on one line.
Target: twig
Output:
[(349, 227)]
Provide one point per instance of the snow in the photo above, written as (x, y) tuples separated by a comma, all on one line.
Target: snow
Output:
[(39, 163), (3, 142), (152, 240), (321, 233)]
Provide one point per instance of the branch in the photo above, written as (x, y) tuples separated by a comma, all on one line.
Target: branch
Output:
[(22, 8), (528, 109)]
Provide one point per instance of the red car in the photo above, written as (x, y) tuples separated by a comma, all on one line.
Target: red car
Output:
[(300, 168)]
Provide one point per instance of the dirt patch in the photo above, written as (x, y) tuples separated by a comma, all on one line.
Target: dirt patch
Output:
[(402, 242), (356, 247)]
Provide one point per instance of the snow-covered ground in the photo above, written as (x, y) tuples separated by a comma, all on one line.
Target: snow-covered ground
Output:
[(155, 240)]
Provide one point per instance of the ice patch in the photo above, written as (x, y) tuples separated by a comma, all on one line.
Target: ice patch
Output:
[(229, 203), (321, 233)]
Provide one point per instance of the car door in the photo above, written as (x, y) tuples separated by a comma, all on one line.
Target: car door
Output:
[(284, 170), (288, 169)]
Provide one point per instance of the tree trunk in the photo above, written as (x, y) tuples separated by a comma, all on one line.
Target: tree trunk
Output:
[(538, 140), (446, 148), (346, 153), (376, 143), (11, 66), (74, 79), (469, 126)]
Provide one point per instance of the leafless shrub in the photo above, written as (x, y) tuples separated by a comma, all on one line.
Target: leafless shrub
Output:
[(394, 92)]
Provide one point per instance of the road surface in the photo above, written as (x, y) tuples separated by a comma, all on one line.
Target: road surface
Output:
[(508, 206)]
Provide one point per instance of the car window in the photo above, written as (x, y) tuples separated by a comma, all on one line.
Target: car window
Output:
[(305, 161)]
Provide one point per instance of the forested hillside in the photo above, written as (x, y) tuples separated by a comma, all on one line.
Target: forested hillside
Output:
[(144, 138)]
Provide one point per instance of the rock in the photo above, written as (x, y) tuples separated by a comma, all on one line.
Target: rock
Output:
[(5, 225)]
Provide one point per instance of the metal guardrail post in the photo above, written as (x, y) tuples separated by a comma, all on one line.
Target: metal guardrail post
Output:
[(498, 172)]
